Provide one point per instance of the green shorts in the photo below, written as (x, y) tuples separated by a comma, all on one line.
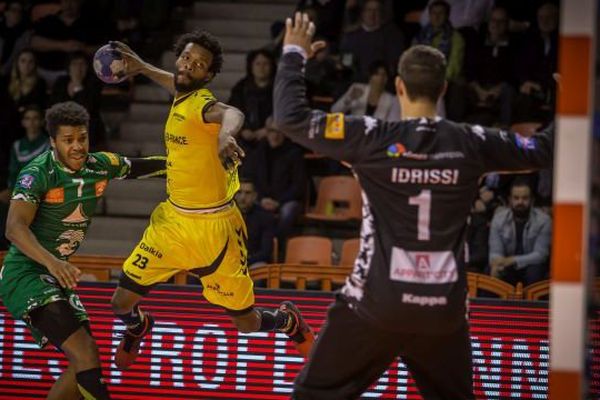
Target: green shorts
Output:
[(26, 285)]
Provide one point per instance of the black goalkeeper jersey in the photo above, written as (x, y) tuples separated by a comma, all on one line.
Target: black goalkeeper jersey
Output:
[(419, 178)]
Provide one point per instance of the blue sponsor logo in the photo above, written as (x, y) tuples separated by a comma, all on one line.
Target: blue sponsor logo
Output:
[(525, 143)]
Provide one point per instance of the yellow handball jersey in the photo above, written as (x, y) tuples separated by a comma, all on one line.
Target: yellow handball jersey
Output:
[(196, 179)]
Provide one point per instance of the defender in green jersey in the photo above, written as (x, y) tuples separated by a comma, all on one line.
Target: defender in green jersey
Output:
[(54, 197)]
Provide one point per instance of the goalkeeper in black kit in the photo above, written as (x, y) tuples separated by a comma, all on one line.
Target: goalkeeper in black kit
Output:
[(407, 293)]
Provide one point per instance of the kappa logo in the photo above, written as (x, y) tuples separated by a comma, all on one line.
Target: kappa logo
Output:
[(370, 124), (478, 131)]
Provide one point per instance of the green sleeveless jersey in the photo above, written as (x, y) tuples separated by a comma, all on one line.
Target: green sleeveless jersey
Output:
[(66, 199)]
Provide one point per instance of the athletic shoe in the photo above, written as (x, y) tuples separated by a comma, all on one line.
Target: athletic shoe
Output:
[(300, 333), (129, 347)]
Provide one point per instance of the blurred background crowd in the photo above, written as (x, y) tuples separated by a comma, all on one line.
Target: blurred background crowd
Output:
[(501, 57)]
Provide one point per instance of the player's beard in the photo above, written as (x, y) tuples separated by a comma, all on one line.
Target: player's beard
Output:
[(193, 85)]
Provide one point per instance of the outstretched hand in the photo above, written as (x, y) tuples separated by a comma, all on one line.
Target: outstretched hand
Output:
[(133, 63), (300, 33)]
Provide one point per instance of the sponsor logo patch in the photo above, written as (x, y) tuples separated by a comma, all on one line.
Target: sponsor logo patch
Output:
[(100, 187), (76, 303), (49, 279), (217, 288), (370, 124), (334, 127), (423, 267), (396, 150), (112, 157), (26, 181), (55, 196), (525, 143)]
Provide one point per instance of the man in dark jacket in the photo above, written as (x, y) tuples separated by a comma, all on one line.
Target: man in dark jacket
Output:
[(278, 171)]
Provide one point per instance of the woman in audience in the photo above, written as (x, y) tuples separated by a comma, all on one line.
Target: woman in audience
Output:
[(253, 95), (14, 34), (370, 99), (24, 85)]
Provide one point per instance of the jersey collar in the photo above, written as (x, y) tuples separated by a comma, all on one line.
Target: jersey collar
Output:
[(63, 167)]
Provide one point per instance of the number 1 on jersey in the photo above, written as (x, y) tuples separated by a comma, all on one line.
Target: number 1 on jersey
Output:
[(423, 201)]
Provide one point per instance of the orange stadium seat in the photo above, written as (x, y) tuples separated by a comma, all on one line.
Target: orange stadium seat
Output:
[(537, 291), (496, 286), (350, 249), (338, 199), (312, 250)]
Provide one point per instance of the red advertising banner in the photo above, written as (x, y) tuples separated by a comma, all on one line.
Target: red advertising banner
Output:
[(194, 352)]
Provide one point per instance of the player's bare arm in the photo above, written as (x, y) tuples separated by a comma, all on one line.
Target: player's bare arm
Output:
[(20, 217), (231, 120), (135, 65)]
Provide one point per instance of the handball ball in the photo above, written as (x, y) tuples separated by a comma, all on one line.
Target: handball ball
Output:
[(109, 65)]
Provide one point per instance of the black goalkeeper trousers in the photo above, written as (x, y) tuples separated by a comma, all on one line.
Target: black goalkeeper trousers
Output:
[(350, 354)]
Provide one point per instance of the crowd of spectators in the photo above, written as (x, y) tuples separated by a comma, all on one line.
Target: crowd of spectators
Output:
[(501, 57)]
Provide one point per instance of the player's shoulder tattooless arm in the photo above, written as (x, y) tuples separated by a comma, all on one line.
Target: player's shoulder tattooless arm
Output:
[(31, 185)]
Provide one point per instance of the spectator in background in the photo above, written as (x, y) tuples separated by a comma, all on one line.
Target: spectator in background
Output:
[(253, 95), (23, 150), (260, 224), (466, 16), (490, 74), (326, 78), (372, 41), (478, 230), (464, 13), (537, 63), (25, 86), (372, 98), (82, 87), (520, 239), (127, 17), (440, 33), (13, 34), (328, 19), (278, 171), (55, 36)]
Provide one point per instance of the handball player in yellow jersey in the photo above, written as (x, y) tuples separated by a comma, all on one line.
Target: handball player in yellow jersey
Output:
[(199, 228)]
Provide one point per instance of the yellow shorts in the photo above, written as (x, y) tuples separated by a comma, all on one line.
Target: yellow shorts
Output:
[(211, 246)]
